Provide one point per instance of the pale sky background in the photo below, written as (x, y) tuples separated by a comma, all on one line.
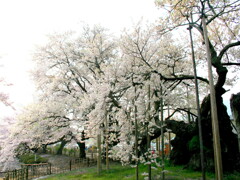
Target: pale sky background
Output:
[(25, 23)]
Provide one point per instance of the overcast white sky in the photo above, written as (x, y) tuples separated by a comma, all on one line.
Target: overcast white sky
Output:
[(25, 23)]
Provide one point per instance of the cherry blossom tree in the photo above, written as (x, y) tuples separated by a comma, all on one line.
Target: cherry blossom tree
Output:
[(223, 30), (6, 122), (90, 83), (4, 96), (142, 63), (66, 68)]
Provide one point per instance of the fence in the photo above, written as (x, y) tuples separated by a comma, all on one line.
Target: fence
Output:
[(31, 171)]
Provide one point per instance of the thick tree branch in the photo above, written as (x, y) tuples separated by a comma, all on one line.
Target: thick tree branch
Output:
[(179, 110), (231, 64), (225, 49), (182, 77)]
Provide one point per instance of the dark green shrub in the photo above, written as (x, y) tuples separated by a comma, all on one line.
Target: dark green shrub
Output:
[(55, 148), (193, 144), (30, 159), (72, 152)]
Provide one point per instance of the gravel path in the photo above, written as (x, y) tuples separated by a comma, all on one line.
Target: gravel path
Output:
[(58, 160)]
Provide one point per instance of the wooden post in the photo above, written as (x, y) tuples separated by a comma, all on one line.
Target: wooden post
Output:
[(148, 136), (157, 146), (215, 128), (88, 162), (14, 174), (107, 158), (188, 113), (50, 168), (27, 173), (92, 152), (106, 139), (162, 135), (99, 164), (198, 106), (21, 176), (136, 134), (169, 135), (70, 165), (169, 144)]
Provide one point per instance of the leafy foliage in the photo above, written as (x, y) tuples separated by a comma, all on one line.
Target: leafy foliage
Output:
[(32, 159), (193, 144)]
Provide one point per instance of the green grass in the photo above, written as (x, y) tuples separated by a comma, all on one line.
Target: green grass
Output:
[(117, 172), (32, 159)]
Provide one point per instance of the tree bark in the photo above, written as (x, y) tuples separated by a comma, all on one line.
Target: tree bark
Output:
[(59, 151), (235, 107), (82, 152), (44, 148), (185, 145)]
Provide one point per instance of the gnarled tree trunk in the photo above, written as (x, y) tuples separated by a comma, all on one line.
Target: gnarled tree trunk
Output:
[(82, 153), (63, 143), (44, 148), (228, 139), (235, 107), (185, 146)]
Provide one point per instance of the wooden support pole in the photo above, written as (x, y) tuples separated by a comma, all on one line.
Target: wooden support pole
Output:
[(99, 164), (169, 144), (157, 144), (215, 128), (169, 135), (162, 134), (136, 134), (106, 139), (198, 106), (148, 136), (188, 113)]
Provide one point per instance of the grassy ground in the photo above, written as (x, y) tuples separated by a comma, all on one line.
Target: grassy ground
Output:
[(118, 172)]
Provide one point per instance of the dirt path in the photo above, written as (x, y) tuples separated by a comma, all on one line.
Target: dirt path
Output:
[(58, 160)]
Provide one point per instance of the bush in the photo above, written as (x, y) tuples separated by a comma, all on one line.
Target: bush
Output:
[(30, 159), (193, 144), (72, 152)]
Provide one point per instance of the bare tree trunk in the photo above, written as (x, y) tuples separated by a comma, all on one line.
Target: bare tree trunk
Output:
[(44, 148), (82, 147), (235, 107), (60, 149)]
